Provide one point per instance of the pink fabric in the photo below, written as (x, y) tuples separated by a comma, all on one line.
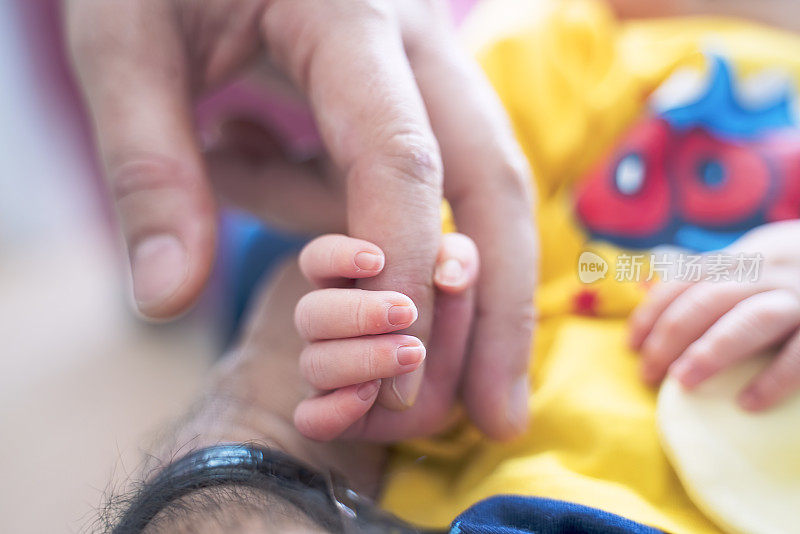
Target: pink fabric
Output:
[(282, 114), (460, 9), (45, 51), (279, 111)]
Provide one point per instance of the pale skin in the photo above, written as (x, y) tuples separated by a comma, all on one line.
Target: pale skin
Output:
[(694, 330), (691, 329), (405, 119), (353, 344), (259, 393), (321, 406)]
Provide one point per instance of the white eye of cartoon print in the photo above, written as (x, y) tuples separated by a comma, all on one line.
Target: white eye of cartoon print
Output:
[(630, 174)]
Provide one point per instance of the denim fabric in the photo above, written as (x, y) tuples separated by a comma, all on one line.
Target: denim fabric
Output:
[(251, 251), (509, 514)]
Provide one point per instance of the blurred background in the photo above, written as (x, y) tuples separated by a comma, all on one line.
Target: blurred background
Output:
[(85, 384)]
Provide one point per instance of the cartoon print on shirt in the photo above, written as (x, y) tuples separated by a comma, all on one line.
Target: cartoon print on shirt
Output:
[(699, 175)]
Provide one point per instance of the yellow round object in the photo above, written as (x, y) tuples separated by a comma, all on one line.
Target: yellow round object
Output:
[(742, 469)]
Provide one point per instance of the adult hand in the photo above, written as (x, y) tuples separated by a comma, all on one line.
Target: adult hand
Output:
[(397, 105)]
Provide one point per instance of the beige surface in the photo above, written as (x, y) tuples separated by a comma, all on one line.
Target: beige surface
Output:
[(83, 383), (741, 469)]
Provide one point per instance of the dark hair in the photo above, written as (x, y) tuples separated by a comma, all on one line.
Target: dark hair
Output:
[(216, 479)]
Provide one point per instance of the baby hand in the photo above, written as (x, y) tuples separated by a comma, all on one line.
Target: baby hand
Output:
[(695, 329), (354, 344)]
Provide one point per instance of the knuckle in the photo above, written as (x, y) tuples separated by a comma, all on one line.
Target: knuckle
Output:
[(671, 325), (371, 362), (132, 174), (335, 257), (364, 315), (313, 369), (412, 156), (302, 316)]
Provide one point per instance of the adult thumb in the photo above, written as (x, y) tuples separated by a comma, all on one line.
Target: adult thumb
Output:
[(131, 65)]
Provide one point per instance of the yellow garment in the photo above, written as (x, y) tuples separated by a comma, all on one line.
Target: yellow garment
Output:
[(573, 82)]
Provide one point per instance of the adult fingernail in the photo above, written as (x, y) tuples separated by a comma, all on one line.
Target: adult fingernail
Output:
[(410, 354), (406, 387), (402, 315), (367, 390), (367, 261), (449, 273), (517, 408), (160, 266)]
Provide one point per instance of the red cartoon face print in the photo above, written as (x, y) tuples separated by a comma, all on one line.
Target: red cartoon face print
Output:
[(719, 184), (696, 177), (628, 194)]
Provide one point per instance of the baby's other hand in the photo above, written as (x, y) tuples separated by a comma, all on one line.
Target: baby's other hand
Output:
[(353, 344), (695, 329)]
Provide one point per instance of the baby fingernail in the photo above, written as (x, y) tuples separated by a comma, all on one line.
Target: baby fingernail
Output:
[(367, 261), (402, 315), (410, 354), (686, 373), (367, 390), (749, 400), (449, 273)]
